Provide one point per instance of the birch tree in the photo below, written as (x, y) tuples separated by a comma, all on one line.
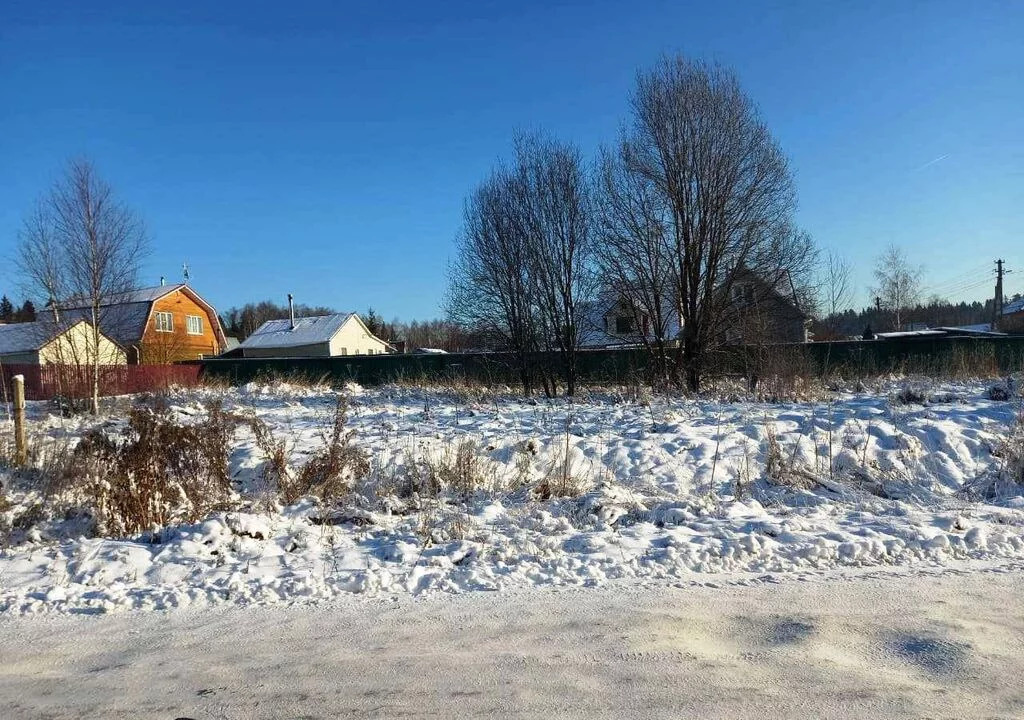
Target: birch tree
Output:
[(897, 283), (82, 246)]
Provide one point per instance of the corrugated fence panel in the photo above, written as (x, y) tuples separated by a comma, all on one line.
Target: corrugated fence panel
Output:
[(921, 355), (45, 382)]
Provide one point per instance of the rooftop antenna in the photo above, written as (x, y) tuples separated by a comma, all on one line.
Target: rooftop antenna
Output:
[(184, 271), (163, 281)]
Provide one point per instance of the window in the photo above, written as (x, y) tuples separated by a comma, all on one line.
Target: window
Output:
[(164, 322), (624, 324), (344, 351), (370, 351), (194, 324), (743, 293)]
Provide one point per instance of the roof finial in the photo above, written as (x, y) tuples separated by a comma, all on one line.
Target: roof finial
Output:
[(184, 271)]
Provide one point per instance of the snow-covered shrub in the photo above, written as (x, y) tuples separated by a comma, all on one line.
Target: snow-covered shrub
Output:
[(1003, 390), (463, 470), (330, 473), (912, 393), (158, 472), (1010, 452), (781, 468)]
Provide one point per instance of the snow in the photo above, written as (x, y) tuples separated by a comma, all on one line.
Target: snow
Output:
[(883, 643), (671, 489)]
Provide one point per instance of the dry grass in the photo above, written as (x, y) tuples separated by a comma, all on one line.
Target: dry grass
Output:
[(781, 468), (1007, 476), (328, 475), (157, 472)]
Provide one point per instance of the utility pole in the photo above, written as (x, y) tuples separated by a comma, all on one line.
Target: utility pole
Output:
[(997, 305)]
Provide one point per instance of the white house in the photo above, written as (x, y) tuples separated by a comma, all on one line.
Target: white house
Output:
[(44, 342), (318, 336)]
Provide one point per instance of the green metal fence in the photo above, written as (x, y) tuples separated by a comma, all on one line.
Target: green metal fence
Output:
[(937, 356)]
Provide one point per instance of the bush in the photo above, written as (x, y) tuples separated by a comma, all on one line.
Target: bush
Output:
[(157, 472), (1003, 390), (912, 394), (329, 474)]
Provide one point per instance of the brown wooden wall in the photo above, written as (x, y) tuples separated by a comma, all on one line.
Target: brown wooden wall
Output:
[(164, 347)]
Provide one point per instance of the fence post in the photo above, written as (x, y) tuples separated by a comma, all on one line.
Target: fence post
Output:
[(20, 446)]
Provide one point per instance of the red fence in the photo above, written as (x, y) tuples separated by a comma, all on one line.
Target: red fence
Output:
[(45, 382)]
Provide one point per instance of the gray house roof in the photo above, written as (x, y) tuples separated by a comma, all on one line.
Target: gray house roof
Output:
[(308, 331), (1014, 306), (124, 324), (123, 316), (30, 336), (142, 295)]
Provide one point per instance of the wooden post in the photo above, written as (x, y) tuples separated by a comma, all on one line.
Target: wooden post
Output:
[(20, 446)]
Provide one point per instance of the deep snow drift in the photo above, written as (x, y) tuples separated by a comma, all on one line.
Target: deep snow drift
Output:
[(660, 489)]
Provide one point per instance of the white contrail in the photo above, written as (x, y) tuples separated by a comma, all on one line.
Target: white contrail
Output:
[(940, 158)]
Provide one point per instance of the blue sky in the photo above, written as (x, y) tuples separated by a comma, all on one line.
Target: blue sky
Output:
[(325, 149)]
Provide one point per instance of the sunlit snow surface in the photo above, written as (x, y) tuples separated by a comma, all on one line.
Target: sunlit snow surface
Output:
[(673, 488)]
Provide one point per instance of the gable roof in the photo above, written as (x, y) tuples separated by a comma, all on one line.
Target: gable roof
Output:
[(30, 336), (312, 330), (124, 324), (125, 315)]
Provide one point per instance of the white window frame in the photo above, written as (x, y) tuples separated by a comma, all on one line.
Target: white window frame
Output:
[(188, 324), (160, 317)]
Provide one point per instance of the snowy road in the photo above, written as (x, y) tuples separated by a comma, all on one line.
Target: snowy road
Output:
[(878, 644)]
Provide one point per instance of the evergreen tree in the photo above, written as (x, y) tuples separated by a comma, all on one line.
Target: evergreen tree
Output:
[(6, 310), (27, 313)]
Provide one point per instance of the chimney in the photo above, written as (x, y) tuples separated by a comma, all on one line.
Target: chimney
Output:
[(163, 280), (291, 311)]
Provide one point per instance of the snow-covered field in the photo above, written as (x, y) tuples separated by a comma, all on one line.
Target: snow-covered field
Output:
[(657, 490)]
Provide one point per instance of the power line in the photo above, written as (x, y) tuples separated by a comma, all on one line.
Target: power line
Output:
[(963, 278)]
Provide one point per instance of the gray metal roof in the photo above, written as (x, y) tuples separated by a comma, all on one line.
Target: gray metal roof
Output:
[(124, 324), (30, 336), (22, 337), (142, 295), (308, 331)]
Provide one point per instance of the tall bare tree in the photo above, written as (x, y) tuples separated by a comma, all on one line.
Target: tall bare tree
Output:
[(633, 256), (700, 142), (835, 290), (81, 244), (490, 285), (898, 283), (523, 268), (553, 199)]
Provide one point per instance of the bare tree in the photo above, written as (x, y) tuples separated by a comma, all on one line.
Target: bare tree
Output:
[(82, 245), (836, 290), (523, 267), (700, 142), (490, 285), (633, 257), (552, 195), (898, 283)]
